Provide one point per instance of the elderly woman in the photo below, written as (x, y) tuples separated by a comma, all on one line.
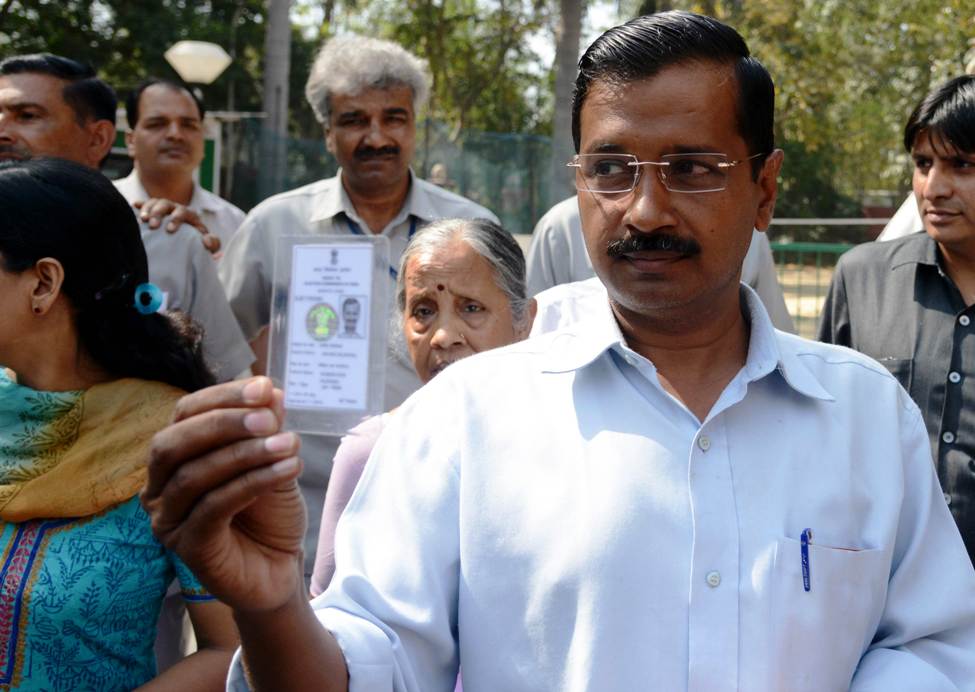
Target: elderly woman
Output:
[(97, 372), (460, 290)]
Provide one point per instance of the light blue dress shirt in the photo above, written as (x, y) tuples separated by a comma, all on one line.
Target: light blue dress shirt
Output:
[(548, 516)]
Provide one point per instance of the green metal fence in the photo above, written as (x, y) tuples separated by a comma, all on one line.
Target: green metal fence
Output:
[(805, 271)]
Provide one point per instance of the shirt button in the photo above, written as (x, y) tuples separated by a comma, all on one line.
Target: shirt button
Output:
[(713, 579), (954, 377), (947, 498), (964, 320), (704, 442), (948, 436)]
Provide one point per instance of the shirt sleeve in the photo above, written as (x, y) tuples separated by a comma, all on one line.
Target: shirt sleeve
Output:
[(189, 586), (392, 604), (548, 261), (834, 321), (926, 635), (224, 345), (245, 272)]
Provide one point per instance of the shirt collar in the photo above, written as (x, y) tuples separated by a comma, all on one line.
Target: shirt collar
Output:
[(333, 200), (202, 201), (768, 350), (198, 202), (917, 248)]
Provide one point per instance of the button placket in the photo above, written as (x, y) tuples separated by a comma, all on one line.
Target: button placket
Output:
[(713, 616)]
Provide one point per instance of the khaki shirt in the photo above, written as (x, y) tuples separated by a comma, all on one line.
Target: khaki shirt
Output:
[(323, 207)]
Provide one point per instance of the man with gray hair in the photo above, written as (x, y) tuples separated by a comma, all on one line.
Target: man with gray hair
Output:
[(366, 93)]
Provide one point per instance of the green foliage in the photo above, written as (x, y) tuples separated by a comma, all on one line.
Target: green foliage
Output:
[(125, 39), (847, 73), (485, 75), (847, 76)]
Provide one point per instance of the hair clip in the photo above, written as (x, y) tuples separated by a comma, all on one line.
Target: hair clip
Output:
[(148, 298)]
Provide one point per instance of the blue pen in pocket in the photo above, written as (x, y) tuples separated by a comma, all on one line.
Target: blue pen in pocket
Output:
[(804, 541)]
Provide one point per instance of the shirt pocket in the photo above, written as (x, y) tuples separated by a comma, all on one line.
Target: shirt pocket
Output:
[(901, 368), (818, 636)]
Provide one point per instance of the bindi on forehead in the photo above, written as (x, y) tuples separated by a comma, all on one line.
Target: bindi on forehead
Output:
[(440, 287)]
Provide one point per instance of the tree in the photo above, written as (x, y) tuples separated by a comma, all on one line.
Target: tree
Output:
[(277, 66), (567, 33)]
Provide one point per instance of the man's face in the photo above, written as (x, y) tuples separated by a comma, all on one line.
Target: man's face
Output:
[(35, 120), (372, 134), (685, 249), (350, 316), (168, 139), (944, 184)]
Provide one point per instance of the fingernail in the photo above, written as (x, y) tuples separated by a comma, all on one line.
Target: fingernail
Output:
[(260, 422), (253, 392), (285, 466), (282, 442)]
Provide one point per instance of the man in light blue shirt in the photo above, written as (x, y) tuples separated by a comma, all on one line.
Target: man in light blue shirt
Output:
[(667, 495)]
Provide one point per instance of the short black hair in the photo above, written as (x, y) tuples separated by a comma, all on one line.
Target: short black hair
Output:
[(646, 45), (88, 96), (132, 100), (947, 113)]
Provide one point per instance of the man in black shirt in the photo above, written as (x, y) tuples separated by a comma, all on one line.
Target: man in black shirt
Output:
[(910, 303)]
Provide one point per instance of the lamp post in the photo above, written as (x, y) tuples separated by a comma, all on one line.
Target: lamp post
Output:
[(197, 62)]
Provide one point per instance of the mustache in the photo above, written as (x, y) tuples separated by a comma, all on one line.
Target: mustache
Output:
[(665, 242), (13, 149), (366, 153)]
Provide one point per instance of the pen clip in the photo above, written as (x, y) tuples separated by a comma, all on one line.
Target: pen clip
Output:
[(804, 540)]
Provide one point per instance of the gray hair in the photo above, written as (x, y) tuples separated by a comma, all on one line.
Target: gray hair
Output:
[(498, 248), (351, 64)]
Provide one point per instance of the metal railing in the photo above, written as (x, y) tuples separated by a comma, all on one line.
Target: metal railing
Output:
[(806, 252), (804, 271)]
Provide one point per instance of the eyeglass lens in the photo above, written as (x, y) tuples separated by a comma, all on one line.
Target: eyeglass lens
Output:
[(610, 173)]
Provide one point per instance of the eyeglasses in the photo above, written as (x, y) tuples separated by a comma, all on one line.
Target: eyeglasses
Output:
[(615, 173)]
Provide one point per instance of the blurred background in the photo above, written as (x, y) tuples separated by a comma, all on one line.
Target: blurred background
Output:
[(497, 126)]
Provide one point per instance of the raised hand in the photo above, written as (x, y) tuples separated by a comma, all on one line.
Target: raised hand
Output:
[(152, 211), (223, 494)]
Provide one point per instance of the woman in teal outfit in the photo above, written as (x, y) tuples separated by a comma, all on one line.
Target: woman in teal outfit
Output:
[(92, 371)]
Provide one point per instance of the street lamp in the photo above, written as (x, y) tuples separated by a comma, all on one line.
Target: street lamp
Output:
[(197, 62)]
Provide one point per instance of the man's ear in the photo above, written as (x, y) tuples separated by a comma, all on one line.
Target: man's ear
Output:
[(329, 139), (101, 137), (768, 185), (48, 277)]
